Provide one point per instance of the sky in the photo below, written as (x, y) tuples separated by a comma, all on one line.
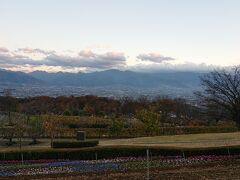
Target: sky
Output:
[(140, 35)]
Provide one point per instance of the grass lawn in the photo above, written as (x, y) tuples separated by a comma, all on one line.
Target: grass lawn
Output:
[(189, 140), (43, 144)]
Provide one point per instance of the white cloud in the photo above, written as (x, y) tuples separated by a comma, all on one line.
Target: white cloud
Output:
[(154, 57), (3, 50), (34, 51), (187, 66)]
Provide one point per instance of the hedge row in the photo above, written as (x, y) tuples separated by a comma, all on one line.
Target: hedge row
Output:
[(137, 132), (195, 130), (113, 152), (74, 144)]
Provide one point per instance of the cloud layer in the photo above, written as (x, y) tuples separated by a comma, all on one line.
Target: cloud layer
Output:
[(187, 66), (84, 59), (30, 59), (87, 59)]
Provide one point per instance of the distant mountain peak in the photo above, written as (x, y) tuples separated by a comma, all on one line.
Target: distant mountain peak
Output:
[(13, 77)]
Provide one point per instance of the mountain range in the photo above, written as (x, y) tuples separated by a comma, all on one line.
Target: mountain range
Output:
[(104, 78)]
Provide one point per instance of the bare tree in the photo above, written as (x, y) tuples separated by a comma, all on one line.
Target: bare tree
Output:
[(20, 127), (222, 88), (51, 125)]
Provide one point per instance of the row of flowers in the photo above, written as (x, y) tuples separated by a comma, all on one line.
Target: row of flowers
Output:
[(33, 167)]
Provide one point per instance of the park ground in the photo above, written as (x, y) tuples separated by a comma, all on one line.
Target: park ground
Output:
[(187, 141), (226, 169)]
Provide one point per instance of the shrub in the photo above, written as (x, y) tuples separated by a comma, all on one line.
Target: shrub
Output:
[(115, 151), (74, 144)]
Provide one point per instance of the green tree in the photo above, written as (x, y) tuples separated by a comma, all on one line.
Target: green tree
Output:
[(115, 127), (35, 128), (7, 132), (150, 119)]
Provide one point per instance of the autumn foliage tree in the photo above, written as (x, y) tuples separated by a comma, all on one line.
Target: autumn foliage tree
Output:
[(51, 125)]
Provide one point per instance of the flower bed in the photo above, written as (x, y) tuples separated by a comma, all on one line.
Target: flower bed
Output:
[(34, 167)]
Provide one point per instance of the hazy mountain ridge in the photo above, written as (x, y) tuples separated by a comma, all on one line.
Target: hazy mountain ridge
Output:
[(112, 83), (122, 78), (11, 77), (104, 78)]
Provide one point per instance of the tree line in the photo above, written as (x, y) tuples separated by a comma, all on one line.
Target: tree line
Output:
[(99, 106)]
